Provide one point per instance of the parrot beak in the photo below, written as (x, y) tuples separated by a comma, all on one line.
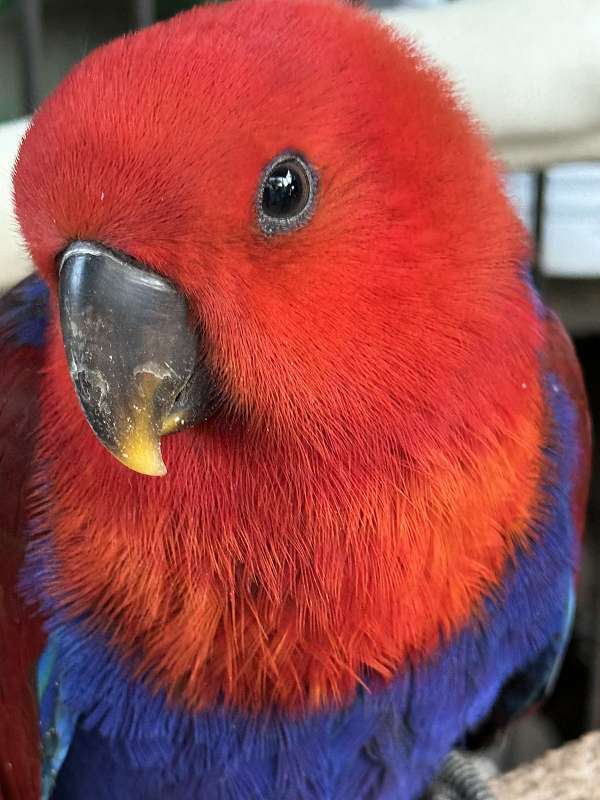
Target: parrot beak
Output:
[(132, 353)]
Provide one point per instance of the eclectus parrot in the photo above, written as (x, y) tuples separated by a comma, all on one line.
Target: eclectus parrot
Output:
[(294, 459)]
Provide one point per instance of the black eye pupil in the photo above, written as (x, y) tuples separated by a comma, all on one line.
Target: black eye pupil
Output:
[(285, 191), (286, 196)]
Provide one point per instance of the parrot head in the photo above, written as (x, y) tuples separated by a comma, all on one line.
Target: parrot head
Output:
[(286, 278)]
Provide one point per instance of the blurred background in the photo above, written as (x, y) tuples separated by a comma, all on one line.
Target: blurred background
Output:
[(530, 69)]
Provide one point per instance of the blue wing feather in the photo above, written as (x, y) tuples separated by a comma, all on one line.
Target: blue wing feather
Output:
[(533, 683), (24, 313), (57, 720)]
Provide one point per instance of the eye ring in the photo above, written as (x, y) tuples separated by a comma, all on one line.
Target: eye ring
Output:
[(286, 195)]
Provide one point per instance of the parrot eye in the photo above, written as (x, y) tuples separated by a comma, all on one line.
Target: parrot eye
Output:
[(286, 195)]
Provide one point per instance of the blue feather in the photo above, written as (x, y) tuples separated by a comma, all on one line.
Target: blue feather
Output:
[(24, 313), (57, 720)]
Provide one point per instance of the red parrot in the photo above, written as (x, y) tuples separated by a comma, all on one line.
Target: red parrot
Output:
[(296, 459)]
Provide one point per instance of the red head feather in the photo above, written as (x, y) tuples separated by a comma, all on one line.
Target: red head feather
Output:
[(376, 460)]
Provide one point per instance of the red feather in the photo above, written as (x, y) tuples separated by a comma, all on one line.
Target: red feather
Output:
[(21, 638)]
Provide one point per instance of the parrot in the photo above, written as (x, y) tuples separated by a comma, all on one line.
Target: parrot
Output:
[(294, 458)]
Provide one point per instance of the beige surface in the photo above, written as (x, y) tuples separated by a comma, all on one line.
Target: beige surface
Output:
[(571, 773), (14, 262), (530, 69)]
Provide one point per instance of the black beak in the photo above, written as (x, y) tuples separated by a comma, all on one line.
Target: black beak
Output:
[(132, 352)]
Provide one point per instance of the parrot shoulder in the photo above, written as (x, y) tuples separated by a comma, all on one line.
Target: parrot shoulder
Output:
[(561, 366), (562, 374), (23, 316)]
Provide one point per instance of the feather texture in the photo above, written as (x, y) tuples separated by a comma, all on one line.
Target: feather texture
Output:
[(387, 744), (23, 315), (346, 564), (243, 573)]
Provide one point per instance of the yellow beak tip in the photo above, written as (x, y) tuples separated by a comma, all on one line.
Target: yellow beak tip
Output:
[(149, 463)]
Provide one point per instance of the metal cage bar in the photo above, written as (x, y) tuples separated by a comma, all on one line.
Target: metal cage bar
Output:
[(144, 13), (30, 22), (538, 223)]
